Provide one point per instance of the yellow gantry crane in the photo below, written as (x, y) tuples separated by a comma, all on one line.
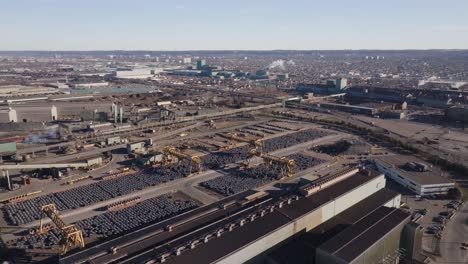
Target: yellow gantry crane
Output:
[(285, 163), (254, 143), (172, 151), (71, 235), (256, 150)]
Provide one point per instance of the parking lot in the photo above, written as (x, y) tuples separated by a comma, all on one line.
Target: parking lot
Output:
[(434, 214), (436, 217)]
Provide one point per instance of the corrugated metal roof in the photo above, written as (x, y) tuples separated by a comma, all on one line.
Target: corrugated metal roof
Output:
[(354, 240), (302, 249)]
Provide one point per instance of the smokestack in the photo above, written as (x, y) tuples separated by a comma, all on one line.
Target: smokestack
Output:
[(8, 180), (94, 114), (121, 114)]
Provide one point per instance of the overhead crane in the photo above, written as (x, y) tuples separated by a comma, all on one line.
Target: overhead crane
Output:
[(233, 137), (71, 236), (172, 151), (285, 163), (255, 144), (256, 150)]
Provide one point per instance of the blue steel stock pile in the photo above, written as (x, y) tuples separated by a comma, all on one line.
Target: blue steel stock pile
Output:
[(134, 213)]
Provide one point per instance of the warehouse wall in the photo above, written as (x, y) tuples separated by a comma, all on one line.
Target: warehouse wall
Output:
[(8, 115), (323, 257), (395, 202), (383, 249), (412, 185), (307, 222), (411, 240), (349, 199), (310, 220)]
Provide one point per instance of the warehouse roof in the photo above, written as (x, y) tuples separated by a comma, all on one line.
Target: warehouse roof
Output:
[(356, 239), (302, 249), (227, 243), (326, 195), (251, 231), (398, 162)]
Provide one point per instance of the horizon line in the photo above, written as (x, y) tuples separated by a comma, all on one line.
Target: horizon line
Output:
[(198, 50)]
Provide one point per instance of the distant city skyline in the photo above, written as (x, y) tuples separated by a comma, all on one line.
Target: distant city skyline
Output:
[(234, 25)]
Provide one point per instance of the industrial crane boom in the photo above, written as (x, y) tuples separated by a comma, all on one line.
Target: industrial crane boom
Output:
[(170, 150), (71, 235), (282, 161), (256, 143)]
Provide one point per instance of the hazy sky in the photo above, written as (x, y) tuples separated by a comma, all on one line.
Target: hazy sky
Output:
[(236, 24)]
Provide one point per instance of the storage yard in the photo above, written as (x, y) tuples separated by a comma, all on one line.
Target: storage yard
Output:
[(236, 169), (155, 162), (205, 178)]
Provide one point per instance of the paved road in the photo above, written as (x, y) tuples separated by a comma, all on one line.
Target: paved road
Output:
[(455, 233)]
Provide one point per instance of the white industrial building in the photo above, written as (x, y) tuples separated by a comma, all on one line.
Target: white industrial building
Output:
[(136, 73), (413, 174), (36, 113), (51, 111), (8, 115), (88, 85)]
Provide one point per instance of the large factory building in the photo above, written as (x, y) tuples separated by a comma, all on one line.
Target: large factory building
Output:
[(256, 238), (51, 111)]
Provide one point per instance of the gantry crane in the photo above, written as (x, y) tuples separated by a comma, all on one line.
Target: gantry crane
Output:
[(256, 150), (71, 235), (254, 143), (172, 151), (285, 163)]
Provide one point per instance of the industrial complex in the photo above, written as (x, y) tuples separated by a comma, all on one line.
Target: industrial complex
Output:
[(218, 157)]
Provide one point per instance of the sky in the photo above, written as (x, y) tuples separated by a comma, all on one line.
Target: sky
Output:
[(232, 25)]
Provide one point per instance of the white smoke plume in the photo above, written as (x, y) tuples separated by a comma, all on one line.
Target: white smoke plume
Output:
[(51, 133), (281, 64), (277, 64)]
